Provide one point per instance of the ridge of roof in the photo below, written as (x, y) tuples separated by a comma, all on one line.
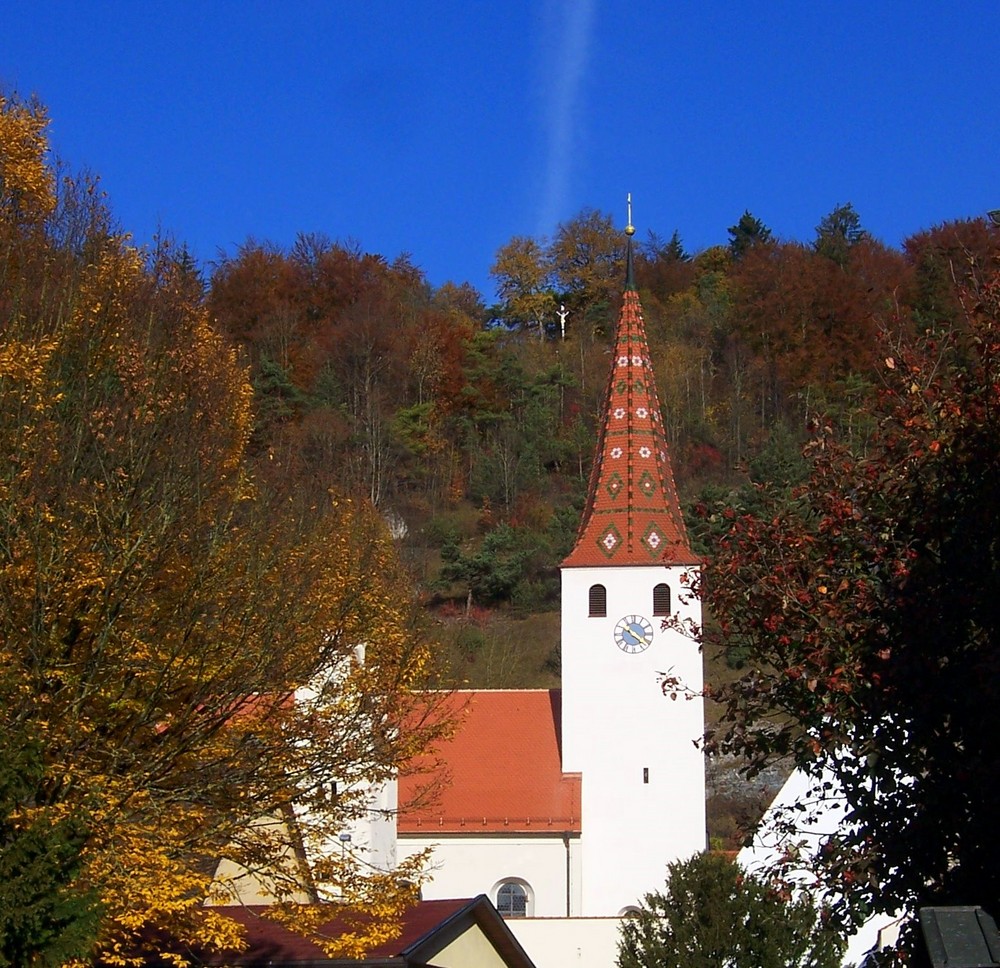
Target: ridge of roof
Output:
[(489, 689), (632, 515)]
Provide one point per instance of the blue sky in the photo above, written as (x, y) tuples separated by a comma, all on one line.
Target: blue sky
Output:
[(443, 129)]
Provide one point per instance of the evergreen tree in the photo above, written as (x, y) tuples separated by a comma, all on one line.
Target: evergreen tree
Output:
[(44, 918), (670, 251), (747, 232), (713, 914), (838, 232)]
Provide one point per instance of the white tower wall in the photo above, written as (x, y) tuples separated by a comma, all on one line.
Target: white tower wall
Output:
[(643, 774)]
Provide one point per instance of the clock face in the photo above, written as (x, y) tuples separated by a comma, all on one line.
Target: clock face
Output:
[(633, 634)]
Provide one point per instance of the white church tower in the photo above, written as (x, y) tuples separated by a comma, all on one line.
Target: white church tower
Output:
[(643, 781)]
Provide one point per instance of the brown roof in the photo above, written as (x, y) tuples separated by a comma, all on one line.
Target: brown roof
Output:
[(428, 927), (632, 515), (503, 766)]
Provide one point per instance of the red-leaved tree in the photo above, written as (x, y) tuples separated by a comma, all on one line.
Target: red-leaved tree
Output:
[(867, 605)]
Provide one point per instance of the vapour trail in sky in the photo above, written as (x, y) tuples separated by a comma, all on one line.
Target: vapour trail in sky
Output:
[(571, 29), (443, 130)]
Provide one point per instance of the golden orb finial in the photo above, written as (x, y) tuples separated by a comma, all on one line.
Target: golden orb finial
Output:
[(629, 228)]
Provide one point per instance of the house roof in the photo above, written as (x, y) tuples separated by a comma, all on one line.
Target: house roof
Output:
[(428, 928), (503, 771), (632, 515)]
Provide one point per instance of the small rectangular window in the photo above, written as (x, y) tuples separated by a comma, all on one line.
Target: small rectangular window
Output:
[(645, 774), (661, 599)]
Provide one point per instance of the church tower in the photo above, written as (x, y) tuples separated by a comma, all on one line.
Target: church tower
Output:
[(643, 780)]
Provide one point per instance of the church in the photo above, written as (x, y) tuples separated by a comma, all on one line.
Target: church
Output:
[(564, 806), (570, 803)]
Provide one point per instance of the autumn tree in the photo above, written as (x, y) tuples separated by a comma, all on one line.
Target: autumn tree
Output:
[(811, 322), (588, 261), (27, 183), (522, 273), (164, 611), (582, 267), (713, 913), (663, 268), (946, 257), (866, 604), (357, 366)]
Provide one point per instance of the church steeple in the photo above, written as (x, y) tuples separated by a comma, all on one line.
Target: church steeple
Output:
[(632, 516)]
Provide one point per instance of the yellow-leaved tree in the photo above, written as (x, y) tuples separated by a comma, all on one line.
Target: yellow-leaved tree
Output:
[(163, 615)]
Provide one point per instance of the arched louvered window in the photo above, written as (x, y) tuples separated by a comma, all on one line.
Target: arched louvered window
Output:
[(661, 599), (598, 601)]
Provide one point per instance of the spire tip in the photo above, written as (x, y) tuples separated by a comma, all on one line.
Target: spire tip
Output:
[(629, 232)]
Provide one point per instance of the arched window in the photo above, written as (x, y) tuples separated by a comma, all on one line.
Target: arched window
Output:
[(598, 601), (513, 899), (661, 599)]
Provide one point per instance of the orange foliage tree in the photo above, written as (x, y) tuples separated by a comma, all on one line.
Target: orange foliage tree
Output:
[(164, 613)]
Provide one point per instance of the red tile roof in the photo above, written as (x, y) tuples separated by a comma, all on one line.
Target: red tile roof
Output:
[(503, 770), (632, 515)]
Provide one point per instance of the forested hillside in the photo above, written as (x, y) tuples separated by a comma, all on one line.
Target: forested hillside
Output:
[(471, 426)]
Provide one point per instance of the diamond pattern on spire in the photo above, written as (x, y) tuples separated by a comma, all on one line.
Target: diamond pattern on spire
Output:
[(610, 541), (651, 539)]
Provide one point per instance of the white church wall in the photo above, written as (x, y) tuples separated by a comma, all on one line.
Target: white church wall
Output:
[(371, 836), (568, 942), (468, 866), (643, 776)]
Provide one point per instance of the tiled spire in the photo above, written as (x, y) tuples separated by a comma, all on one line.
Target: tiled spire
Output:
[(632, 516)]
